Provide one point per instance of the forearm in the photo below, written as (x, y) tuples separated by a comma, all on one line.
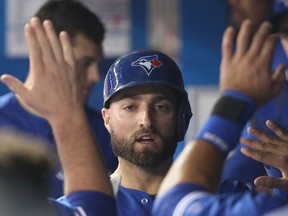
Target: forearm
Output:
[(193, 166)]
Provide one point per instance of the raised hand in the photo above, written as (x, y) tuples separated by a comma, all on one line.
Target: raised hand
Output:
[(248, 68), (269, 149), (53, 90)]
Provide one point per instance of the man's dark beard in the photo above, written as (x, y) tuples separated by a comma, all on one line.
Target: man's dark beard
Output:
[(124, 148)]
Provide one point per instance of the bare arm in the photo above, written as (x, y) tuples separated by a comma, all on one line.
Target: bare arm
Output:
[(247, 70), (55, 94)]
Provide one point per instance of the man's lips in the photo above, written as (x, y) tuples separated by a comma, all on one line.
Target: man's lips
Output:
[(146, 138)]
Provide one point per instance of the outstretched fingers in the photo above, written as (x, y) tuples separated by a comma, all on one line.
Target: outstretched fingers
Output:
[(267, 149), (259, 155), (266, 143)]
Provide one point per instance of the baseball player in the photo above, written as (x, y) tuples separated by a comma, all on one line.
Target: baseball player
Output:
[(246, 83), (87, 47), (238, 166), (144, 102)]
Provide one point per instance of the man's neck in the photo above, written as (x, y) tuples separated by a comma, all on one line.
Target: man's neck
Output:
[(137, 178)]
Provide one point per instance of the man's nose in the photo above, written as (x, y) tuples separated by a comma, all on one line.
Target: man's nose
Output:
[(145, 118), (94, 74)]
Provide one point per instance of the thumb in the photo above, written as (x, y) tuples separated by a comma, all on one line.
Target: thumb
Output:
[(14, 84)]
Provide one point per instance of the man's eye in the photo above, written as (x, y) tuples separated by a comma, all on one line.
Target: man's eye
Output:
[(163, 108), (129, 107), (87, 64)]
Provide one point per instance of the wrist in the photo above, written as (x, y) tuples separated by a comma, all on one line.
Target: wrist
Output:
[(227, 120)]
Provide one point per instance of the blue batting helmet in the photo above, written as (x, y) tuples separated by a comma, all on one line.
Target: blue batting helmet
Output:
[(148, 67)]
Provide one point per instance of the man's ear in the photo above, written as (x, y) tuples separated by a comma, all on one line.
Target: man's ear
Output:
[(106, 118)]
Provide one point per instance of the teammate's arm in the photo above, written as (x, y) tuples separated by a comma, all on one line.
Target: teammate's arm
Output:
[(244, 73)]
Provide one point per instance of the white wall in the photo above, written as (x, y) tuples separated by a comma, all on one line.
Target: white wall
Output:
[(202, 98)]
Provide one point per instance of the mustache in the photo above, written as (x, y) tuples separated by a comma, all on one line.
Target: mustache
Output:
[(145, 130)]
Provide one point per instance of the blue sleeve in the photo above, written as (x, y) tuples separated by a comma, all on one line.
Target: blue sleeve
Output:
[(165, 205), (185, 199), (86, 203)]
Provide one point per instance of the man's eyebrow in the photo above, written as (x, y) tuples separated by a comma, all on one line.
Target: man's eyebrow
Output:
[(128, 95), (135, 96), (88, 58), (163, 97)]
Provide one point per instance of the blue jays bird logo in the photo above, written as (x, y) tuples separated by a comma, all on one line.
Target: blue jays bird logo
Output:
[(148, 63)]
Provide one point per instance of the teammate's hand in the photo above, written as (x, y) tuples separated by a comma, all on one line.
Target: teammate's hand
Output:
[(267, 183), (247, 67), (53, 91), (269, 149)]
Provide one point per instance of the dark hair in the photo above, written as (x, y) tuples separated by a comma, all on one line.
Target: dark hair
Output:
[(73, 17)]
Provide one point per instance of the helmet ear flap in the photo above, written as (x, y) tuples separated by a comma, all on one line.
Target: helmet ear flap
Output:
[(184, 116)]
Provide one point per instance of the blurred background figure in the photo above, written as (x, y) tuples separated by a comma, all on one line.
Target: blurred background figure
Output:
[(87, 33), (24, 163), (255, 10)]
